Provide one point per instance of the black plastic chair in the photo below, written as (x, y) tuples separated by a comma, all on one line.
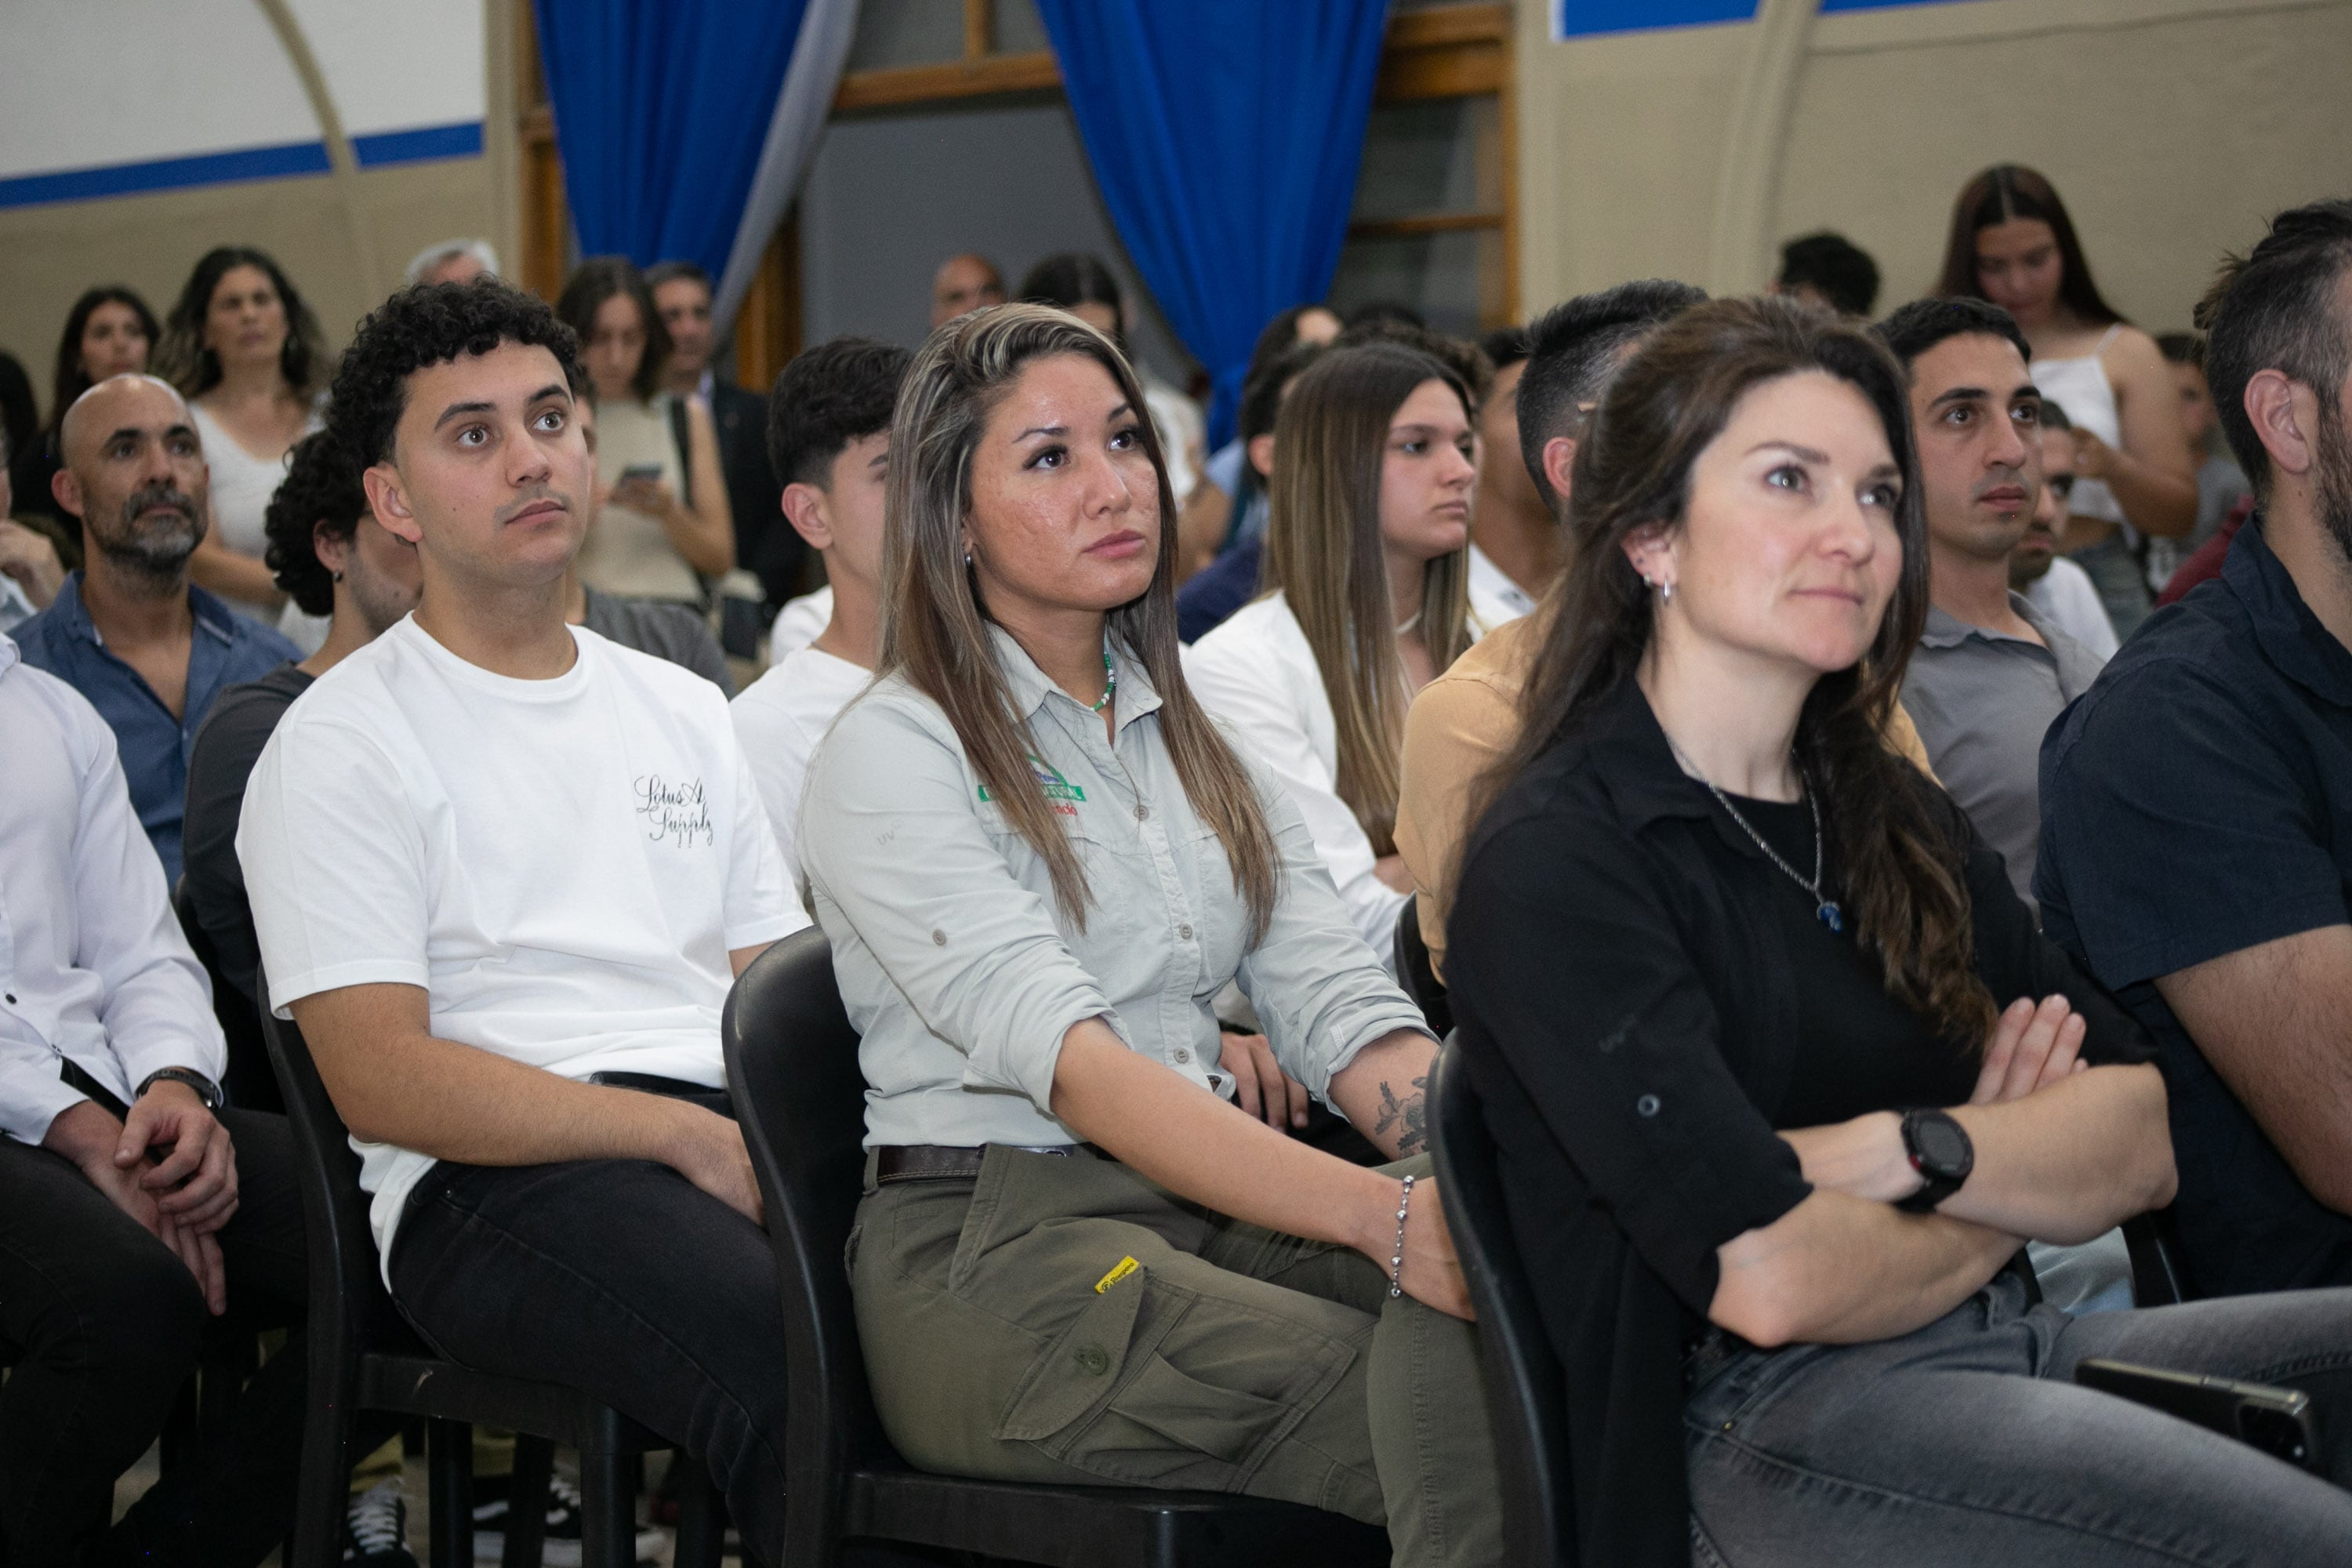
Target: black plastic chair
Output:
[(1525, 1385), (791, 1062), (363, 1357), (249, 1083), (2157, 1277), (1415, 973)]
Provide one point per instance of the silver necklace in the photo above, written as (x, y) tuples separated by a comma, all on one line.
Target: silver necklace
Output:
[(1824, 909)]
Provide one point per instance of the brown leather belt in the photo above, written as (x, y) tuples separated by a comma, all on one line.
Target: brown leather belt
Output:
[(949, 1162)]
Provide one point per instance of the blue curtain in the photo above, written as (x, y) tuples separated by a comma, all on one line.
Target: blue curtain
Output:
[(659, 109), (1225, 136)]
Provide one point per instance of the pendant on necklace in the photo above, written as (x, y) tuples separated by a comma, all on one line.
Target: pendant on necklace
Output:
[(1830, 915)]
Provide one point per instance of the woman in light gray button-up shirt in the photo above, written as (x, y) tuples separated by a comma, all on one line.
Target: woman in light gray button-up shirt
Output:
[(1038, 861)]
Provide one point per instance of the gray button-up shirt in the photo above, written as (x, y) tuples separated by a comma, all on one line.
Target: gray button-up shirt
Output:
[(1982, 702), (959, 971)]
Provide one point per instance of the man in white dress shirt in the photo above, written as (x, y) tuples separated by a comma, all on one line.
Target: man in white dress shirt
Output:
[(133, 1203), (1515, 544)]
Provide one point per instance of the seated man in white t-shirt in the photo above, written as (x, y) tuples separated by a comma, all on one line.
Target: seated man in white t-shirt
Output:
[(829, 441), (503, 872)]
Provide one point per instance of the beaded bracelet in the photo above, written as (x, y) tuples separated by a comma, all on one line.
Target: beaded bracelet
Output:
[(1396, 1262)]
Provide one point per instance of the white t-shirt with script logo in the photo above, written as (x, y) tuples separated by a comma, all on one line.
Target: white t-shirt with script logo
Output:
[(563, 865)]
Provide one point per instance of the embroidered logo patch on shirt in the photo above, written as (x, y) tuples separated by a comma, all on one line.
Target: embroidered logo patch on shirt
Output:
[(1051, 780)]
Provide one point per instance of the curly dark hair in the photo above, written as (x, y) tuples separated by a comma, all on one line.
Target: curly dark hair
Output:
[(830, 395), (181, 358), (427, 324), (322, 490)]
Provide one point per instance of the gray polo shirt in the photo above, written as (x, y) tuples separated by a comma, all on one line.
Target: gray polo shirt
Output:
[(960, 971), (1982, 702)]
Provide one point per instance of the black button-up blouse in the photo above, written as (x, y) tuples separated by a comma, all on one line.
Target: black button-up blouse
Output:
[(1637, 988)]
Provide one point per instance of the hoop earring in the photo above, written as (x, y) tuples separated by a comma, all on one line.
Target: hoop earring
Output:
[(1665, 592)]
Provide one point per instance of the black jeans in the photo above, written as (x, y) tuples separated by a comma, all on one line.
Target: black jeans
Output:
[(104, 1325), (622, 1278)]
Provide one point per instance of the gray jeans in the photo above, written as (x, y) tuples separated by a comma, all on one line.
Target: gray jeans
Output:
[(1967, 1442)]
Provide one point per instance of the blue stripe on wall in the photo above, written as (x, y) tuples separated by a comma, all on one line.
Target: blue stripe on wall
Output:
[(1585, 19), (289, 160)]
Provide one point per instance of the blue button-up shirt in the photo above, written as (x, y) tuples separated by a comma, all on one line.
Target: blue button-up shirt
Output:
[(226, 650)]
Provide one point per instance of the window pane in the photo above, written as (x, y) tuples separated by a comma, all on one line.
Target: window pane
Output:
[(907, 33), (1454, 280), (1019, 29), (1437, 156)]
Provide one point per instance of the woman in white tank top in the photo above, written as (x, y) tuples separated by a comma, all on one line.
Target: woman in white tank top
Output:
[(666, 525), (246, 351), (2013, 243)]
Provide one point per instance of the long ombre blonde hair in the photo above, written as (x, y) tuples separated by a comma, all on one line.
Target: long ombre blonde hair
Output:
[(1323, 550), (935, 625)]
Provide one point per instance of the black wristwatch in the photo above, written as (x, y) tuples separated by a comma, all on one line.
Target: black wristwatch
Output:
[(1942, 1154), (206, 1089)]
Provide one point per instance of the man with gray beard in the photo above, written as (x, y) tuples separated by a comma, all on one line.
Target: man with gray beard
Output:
[(129, 631), (2196, 803)]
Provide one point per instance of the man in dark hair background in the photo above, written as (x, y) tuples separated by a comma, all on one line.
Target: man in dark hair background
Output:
[(1829, 270), (1462, 722), (770, 551), (2197, 846), (503, 873), (1991, 671), (829, 438), (332, 558), (1515, 544)]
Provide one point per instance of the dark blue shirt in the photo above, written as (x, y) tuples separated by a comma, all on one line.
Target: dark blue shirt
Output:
[(225, 649), (1218, 589), (2195, 802)]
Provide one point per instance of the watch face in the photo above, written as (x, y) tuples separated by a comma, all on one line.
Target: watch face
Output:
[(1942, 1147)]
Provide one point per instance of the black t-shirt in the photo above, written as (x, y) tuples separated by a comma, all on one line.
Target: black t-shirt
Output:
[(2195, 802), (219, 763), (1639, 994)]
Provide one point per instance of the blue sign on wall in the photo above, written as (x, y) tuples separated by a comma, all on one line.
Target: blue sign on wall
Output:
[(1586, 18)]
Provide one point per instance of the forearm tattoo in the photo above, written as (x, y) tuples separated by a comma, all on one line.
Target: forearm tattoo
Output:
[(1409, 1116)]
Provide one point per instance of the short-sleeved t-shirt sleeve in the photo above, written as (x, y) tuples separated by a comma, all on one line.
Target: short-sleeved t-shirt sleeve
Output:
[(334, 865), (2178, 826), (1567, 957), (761, 904)]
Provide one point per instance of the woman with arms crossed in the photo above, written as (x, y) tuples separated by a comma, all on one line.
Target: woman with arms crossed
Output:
[(1730, 978), (1038, 861)]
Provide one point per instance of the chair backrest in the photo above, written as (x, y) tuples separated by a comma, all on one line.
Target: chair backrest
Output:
[(251, 1082), (2155, 1245), (1526, 1386), (350, 1312), (792, 1064), (1416, 975)]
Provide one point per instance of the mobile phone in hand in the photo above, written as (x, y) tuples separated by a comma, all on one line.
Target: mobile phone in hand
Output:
[(642, 473), (2278, 1421)]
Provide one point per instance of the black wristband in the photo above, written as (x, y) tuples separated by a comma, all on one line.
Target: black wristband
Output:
[(206, 1089)]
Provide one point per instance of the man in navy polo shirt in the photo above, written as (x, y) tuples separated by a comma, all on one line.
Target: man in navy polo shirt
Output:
[(148, 648), (2196, 802)]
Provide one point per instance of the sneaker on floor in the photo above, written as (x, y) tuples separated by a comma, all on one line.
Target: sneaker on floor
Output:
[(375, 1528), (563, 1541)]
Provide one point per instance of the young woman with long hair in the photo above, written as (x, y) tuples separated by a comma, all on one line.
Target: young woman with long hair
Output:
[(665, 528), (109, 332), (1368, 600), (1781, 1073), (1038, 861), (2012, 242), (246, 352)]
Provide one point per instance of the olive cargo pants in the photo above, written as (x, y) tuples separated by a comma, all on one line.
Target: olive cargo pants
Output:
[(1008, 1337)]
